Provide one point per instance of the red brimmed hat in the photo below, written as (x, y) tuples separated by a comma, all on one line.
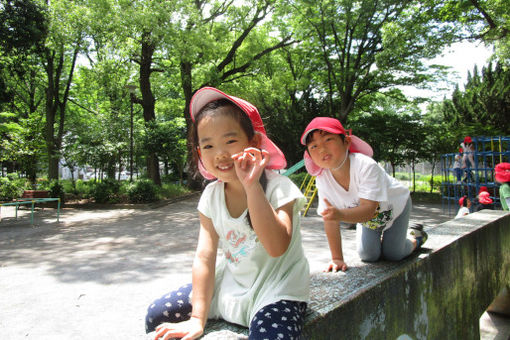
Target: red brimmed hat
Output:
[(502, 171), (331, 125), (208, 94), (484, 198)]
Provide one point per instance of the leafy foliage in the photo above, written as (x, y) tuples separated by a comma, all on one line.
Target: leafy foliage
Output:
[(64, 67), (485, 100), (106, 191), (142, 191), (12, 187)]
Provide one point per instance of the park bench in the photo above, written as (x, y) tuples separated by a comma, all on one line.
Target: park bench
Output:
[(440, 293), (32, 197)]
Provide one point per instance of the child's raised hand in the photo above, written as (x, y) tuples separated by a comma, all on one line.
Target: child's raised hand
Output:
[(186, 330), (336, 265), (249, 165), (330, 213)]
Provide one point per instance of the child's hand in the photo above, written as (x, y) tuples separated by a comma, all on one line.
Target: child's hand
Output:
[(336, 265), (186, 330), (250, 164), (330, 213)]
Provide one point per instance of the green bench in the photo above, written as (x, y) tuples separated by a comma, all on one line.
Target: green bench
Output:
[(30, 201)]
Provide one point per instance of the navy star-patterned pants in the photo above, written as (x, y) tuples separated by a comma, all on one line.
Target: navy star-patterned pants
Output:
[(280, 320)]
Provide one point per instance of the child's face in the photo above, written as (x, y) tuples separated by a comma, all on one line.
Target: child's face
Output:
[(328, 150), (219, 137)]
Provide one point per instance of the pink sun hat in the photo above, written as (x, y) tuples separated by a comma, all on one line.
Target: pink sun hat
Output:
[(208, 94), (331, 125), (502, 172), (484, 198)]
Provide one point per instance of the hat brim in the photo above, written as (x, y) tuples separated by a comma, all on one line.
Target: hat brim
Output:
[(485, 200), (312, 168), (359, 145), (503, 177)]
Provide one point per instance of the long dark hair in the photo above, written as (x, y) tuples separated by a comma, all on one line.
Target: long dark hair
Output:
[(235, 113)]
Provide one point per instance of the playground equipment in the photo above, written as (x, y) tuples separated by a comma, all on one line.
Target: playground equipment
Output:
[(310, 191), (488, 151)]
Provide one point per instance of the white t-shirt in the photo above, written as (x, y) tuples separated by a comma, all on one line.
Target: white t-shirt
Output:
[(463, 211), (247, 278), (368, 180)]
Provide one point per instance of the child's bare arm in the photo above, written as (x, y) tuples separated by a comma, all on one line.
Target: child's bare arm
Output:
[(202, 286), (362, 213), (273, 227), (204, 269), (333, 234)]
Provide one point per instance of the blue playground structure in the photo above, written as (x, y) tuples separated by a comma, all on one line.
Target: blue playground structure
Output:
[(488, 151)]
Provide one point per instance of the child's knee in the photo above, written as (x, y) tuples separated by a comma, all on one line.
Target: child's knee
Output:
[(151, 318), (393, 256), (368, 254)]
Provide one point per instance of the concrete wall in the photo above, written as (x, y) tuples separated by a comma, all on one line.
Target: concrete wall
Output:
[(437, 295)]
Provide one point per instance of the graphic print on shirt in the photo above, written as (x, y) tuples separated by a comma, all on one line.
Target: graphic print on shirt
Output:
[(380, 219), (239, 245)]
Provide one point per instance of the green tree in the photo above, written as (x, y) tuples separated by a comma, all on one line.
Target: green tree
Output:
[(485, 20), (393, 129), (366, 47), (484, 103)]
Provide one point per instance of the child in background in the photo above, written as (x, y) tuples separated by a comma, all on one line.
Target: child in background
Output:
[(483, 200), (353, 188), (457, 168), (467, 157), (464, 204), (502, 174), (262, 281)]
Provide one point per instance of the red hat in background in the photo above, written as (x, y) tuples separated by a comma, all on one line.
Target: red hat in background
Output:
[(484, 198), (482, 189), (502, 172), (467, 140), (461, 200)]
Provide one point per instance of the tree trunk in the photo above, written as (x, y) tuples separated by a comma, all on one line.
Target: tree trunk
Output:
[(186, 68), (148, 101), (54, 104), (413, 165), (432, 177)]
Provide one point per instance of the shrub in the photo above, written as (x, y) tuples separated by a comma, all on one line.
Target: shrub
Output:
[(170, 190), (141, 191), (57, 190), (12, 186), (402, 176), (106, 191), (84, 188), (9, 189)]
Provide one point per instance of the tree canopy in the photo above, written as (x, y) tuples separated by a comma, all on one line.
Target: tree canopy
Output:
[(72, 70)]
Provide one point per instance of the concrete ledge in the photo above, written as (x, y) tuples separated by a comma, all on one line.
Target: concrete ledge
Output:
[(439, 293)]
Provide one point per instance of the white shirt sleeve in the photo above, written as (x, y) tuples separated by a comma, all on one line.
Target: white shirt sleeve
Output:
[(204, 204), (372, 182)]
